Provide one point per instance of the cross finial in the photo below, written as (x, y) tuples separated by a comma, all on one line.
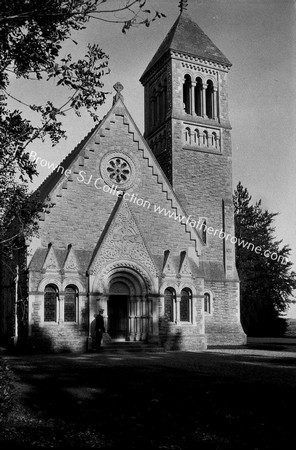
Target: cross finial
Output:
[(183, 4), (118, 88)]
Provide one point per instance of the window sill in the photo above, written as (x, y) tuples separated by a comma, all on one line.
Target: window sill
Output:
[(202, 149)]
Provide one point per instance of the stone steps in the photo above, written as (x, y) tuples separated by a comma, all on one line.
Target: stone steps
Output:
[(128, 346)]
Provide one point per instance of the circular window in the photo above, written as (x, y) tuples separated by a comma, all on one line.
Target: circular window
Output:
[(118, 168)]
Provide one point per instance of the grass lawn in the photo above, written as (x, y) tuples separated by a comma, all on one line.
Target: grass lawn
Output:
[(220, 399)]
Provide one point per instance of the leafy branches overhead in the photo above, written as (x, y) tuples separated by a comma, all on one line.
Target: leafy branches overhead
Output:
[(32, 33), (31, 37)]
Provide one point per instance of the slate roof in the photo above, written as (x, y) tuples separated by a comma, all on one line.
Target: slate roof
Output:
[(187, 37)]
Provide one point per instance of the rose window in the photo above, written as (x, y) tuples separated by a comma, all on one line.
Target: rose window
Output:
[(119, 170)]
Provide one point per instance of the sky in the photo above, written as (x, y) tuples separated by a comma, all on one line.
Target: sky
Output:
[(258, 37)]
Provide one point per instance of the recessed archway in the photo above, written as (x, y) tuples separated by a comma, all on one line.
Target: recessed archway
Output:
[(129, 308)]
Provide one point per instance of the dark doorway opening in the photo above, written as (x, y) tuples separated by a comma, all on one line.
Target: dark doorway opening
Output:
[(118, 316)]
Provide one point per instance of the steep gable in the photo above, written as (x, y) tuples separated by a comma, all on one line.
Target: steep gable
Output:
[(122, 240), (51, 262), (84, 200), (186, 36)]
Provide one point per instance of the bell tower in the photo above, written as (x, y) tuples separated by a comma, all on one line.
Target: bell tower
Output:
[(187, 127)]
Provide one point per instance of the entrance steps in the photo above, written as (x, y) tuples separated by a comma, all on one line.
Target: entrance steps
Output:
[(131, 346)]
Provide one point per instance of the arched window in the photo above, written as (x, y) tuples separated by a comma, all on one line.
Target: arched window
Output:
[(169, 299), (187, 94), (50, 303), (188, 135), (70, 304), (204, 231), (185, 305), (196, 137), (210, 99), (214, 140), (205, 138), (207, 303), (198, 97)]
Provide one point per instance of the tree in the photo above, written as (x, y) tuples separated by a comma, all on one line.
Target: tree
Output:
[(31, 36), (267, 281)]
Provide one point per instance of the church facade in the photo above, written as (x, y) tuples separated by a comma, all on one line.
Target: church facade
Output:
[(137, 224)]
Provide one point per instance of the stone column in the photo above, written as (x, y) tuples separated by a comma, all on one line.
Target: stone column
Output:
[(215, 114), (203, 103), (177, 311), (131, 313), (193, 85), (145, 318), (61, 308), (137, 319)]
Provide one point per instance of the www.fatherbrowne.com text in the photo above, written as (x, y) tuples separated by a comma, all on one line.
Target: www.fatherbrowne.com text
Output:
[(131, 197)]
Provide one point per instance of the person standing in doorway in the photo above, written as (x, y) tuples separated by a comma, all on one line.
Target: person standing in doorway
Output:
[(100, 328)]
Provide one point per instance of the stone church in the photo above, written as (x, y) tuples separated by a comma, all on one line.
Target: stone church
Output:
[(137, 222)]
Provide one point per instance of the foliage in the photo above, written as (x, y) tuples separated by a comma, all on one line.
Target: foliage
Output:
[(267, 282), (32, 33), (6, 390)]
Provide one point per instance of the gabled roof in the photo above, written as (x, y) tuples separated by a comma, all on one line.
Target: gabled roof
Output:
[(119, 108), (186, 36)]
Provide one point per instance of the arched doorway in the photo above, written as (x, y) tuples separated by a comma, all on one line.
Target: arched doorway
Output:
[(119, 298), (129, 306)]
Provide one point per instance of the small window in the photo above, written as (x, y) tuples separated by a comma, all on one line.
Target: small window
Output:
[(210, 99), (214, 140), (169, 299), (70, 304), (187, 94), (185, 303), (196, 137), (50, 303), (188, 135), (207, 303), (205, 138), (198, 97), (204, 231)]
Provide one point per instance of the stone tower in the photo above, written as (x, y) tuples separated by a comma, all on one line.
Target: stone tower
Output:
[(187, 127)]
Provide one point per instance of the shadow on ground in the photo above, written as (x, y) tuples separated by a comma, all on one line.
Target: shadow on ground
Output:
[(212, 400)]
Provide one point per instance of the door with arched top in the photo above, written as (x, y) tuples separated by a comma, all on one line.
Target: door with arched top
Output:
[(118, 311)]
